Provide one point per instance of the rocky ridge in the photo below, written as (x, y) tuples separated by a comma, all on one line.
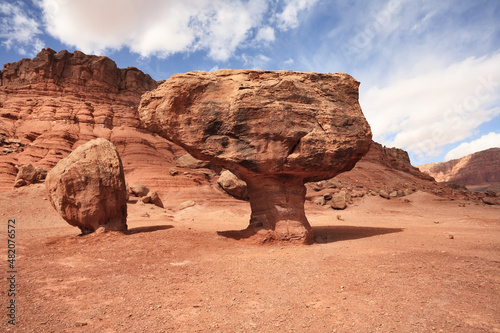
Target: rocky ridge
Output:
[(476, 171), (56, 102)]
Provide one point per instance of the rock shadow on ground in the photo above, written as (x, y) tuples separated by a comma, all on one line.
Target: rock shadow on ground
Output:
[(153, 228), (330, 234)]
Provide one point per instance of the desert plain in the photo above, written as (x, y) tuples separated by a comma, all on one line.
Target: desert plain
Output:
[(419, 263)]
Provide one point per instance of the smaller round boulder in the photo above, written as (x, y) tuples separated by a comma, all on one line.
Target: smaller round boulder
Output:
[(233, 185), (88, 188)]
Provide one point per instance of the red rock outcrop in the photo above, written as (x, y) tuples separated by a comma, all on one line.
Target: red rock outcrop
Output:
[(393, 159), (274, 130), (57, 101), (478, 170), (88, 188), (28, 175)]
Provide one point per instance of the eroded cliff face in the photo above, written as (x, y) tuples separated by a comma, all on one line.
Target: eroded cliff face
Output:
[(394, 159), (481, 169), (55, 102)]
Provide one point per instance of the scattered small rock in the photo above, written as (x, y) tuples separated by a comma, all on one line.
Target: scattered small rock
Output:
[(173, 171), (145, 199), (186, 204), (489, 201), (155, 199), (233, 185), (146, 195), (189, 162), (338, 201), (327, 196), (80, 324), (319, 201), (384, 194), (451, 236), (28, 174), (139, 190)]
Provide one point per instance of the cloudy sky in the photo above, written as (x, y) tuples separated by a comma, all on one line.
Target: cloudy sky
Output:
[(429, 70)]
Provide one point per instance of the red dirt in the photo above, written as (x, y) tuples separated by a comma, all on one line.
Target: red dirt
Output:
[(419, 263)]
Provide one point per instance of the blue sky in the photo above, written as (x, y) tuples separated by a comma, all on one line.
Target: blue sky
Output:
[(429, 70)]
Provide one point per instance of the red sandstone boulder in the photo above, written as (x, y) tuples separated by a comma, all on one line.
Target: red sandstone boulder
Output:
[(28, 174), (274, 130), (88, 188), (233, 185)]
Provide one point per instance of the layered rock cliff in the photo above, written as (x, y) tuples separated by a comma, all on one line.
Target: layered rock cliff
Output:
[(55, 102), (478, 170)]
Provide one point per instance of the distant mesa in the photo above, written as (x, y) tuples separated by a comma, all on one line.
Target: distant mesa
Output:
[(274, 130), (478, 171)]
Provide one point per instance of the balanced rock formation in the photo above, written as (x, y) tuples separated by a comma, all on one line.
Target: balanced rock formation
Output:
[(274, 130), (88, 188)]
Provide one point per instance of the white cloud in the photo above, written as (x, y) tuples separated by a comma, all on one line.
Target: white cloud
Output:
[(154, 27), (428, 111), (490, 140), (18, 30), (289, 17), (265, 34), (258, 61)]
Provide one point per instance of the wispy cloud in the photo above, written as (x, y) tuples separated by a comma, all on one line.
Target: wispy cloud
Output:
[(441, 107), (486, 141), (258, 61), (288, 18), (265, 34), (19, 30), (154, 27), (165, 27)]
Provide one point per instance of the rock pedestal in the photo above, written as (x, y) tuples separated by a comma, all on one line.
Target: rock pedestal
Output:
[(278, 206), (274, 130)]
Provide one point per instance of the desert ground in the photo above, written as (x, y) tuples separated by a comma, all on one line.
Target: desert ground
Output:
[(419, 263)]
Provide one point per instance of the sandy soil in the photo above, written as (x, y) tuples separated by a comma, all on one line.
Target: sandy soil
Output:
[(414, 264)]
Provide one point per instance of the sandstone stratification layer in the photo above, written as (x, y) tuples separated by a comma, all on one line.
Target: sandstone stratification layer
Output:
[(55, 102)]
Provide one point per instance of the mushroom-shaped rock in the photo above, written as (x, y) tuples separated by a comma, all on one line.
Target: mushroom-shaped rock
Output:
[(88, 188), (275, 130)]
